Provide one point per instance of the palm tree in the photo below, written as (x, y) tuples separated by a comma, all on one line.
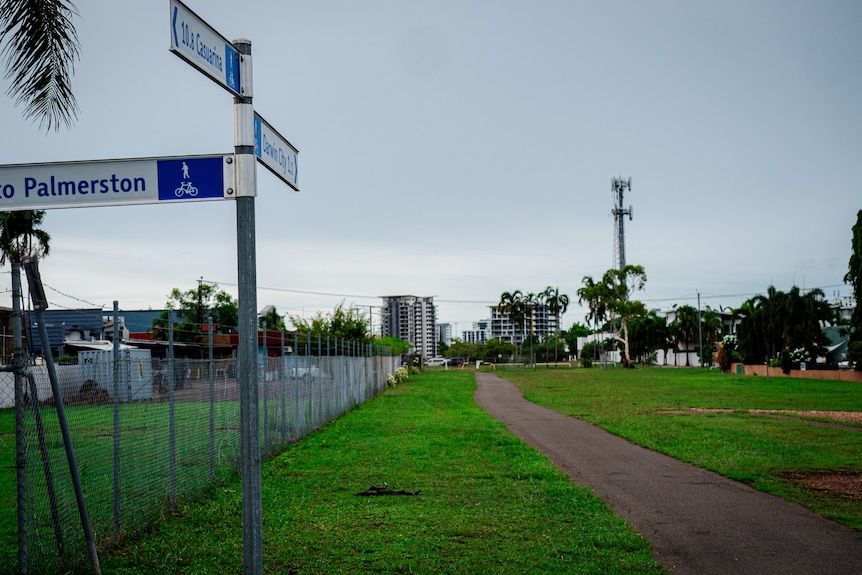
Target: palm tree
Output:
[(684, 326), (40, 46), (591, 293), (512, 305), (557, 304), (711, 328), (531, 302), (21, 236)]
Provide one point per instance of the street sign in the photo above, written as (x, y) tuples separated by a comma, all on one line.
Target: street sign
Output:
[(275, 152), (197, 43), (116, 182)]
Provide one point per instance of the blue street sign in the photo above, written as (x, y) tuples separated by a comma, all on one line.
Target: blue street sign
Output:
[(116, 182), (191, 179), (275, 152), (200, 45)]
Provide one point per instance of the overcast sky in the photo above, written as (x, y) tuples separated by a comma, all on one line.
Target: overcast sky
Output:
[(463, 148)]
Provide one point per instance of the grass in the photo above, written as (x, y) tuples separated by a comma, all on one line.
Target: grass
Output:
[(651, 407), (487, 502)]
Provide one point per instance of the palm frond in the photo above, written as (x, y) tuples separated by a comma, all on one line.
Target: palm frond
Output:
[(40, 49)]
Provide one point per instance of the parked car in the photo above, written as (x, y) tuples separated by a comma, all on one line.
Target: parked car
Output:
[(436, 362), (306, 374)]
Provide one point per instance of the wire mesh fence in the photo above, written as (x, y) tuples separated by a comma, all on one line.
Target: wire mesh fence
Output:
[(150, 434)]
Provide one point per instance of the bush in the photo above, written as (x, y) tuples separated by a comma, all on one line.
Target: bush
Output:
[(401, 375)]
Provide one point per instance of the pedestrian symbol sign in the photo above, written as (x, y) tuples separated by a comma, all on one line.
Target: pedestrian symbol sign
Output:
[(191, 178)]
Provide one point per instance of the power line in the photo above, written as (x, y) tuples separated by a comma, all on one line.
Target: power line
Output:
[(72, 297), (344, 295)]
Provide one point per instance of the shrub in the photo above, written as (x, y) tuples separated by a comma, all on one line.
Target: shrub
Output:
[(401, 375)]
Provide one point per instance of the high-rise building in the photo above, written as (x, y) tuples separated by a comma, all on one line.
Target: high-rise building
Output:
[(538, 321), (444, 333), (413, 319), (479, 333)]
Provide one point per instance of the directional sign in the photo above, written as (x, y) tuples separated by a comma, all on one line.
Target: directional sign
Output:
[(275, 152), (116, 182), (197, 43)]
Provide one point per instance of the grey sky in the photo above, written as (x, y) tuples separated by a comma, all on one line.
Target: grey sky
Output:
[(463, 148)]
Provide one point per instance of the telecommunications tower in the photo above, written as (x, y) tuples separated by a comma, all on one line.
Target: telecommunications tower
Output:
[(618, 186)]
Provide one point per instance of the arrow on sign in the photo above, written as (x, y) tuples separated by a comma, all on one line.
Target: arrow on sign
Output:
[(200, 45)]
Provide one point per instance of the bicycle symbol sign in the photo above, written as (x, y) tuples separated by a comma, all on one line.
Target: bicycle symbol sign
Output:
[(186, 188), (191, 178)]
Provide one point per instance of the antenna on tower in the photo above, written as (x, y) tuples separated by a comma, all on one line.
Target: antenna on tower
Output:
[(618, 186)]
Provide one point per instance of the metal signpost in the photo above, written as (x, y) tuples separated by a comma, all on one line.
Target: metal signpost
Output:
[(116, 182), (184, 179), (230, 66)]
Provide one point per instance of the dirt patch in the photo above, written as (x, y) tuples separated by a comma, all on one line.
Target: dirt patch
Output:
[(843, 484), (854, 418)]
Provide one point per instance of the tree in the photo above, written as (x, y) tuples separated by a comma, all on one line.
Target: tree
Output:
[(854, 278), (192, 309), (184, 331), (21, 236), (684, 326), (531, 302), (776, 324), (513, 305), (613, 295), (648, 334), (711, 327), (196, 305), (573, 333), (463, 349), (497, 350), (591, 294), (557, 304), (396, 345), (40, 48), (350, 324), (272, 321)]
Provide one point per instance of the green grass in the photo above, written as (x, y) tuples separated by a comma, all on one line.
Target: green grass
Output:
[(488, 503), (760, 450)]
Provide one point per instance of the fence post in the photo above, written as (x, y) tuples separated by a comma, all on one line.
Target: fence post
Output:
[(211, 370), (282, 389), (20, 445), (116, 353), (172, 445), (265, 392)]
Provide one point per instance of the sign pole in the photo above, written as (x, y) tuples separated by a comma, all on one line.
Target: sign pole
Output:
[(252, 531)]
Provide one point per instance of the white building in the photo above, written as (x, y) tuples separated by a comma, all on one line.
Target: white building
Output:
[(413, 319), (444, 333), (479, 333), (538, 321)]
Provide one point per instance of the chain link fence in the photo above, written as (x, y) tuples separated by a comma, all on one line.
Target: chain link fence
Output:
[(150, 434)]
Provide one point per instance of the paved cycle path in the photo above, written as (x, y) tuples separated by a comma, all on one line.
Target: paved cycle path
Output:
[(699, 522)]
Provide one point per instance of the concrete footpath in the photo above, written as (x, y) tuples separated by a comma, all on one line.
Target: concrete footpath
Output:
[(699, 523)]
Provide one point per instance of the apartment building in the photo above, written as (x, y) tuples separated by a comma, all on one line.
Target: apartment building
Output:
[(479, 333), (413, 319), (444, 333), (538, 321)]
